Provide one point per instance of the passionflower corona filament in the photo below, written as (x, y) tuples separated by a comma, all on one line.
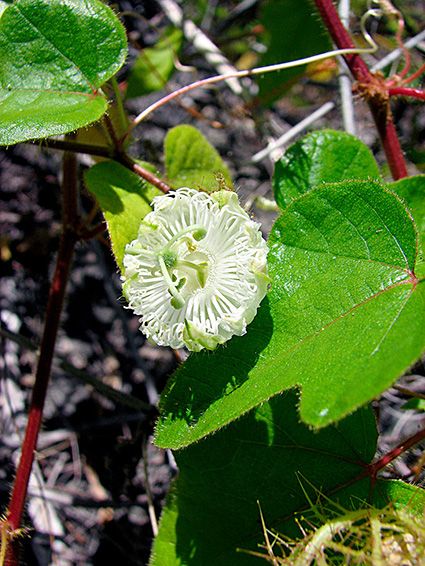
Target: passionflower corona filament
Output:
[(197, 271)]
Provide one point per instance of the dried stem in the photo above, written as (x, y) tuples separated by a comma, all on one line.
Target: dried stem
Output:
[(370, 86), (54, 308), (238, 74), (151, 507), (409, 392)]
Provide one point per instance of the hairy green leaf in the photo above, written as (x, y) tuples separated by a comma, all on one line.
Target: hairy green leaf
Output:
[(124, 198), (192, 161), (344, 318), (267, 459), (412, 191), (326, 156), (54, 56)]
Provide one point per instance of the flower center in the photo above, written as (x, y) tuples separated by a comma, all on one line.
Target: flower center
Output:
[(188, 272)]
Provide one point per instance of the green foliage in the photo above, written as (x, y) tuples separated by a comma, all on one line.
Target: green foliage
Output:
[(270, 457), (125, 200), (321, 157), (412, 191), (154, 65), (54, 56), (343, 320), (295, 32), (192, 161)]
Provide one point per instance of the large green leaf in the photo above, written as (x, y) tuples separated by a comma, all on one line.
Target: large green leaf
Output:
[(270, 457), (412, 191), (326, 156), (124, 198), (154, 65), (344, 318), (54, 56), (192, 161), (295, 31)]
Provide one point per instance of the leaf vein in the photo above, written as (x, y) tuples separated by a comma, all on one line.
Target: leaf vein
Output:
[(333, 207), (343, 315), (387, 229), (303, 215), (50, 42), (392, 323), (342, 256)]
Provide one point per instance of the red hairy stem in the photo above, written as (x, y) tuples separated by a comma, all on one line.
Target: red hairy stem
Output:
[(396, 452), (125, 160), (370, 86), (406, 91), (68, 240), (111, 129)]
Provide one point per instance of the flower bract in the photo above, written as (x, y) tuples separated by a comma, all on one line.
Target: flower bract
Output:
[(197, 271)]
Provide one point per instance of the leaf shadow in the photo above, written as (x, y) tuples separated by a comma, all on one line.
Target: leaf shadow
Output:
[(114, 200), (218, 374), (224, 475)]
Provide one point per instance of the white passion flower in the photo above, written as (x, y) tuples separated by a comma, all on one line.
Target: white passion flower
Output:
[(197, 271)]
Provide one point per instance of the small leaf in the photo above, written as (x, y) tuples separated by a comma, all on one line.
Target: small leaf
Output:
[(414, 404), (192, 161), (154, 65), (54, 56), (125, 200), (321, 157), (343, 320), (296, 31), (270, 457)]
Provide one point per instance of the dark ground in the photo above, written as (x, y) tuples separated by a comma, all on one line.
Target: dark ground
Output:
[(88, 501)]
